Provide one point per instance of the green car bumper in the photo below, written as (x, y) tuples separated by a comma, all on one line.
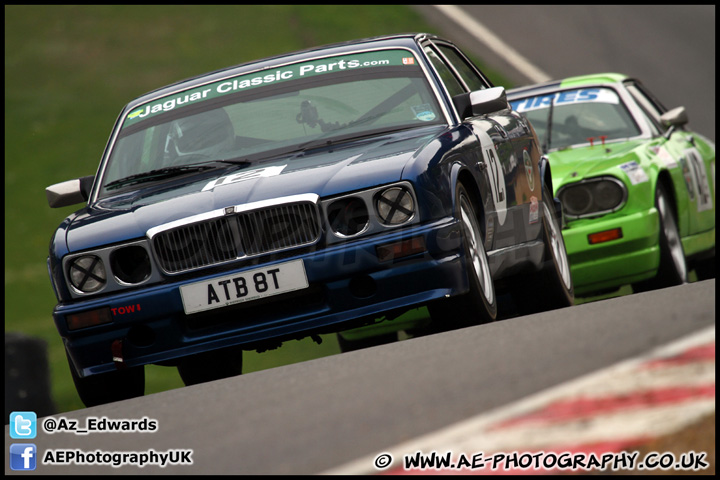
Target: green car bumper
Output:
[(632, 257)]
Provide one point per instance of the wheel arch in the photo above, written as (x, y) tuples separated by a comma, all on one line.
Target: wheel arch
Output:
[(467, 180), (546, 178), (665, 180), (545, 172)]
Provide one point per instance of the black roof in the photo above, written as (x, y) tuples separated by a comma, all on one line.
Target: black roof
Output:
[(403, 39)]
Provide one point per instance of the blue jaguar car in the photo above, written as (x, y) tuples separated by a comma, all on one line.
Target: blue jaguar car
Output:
[(322, 191)]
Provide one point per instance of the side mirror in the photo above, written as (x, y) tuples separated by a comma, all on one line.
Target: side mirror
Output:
[(481, 102), (674, 119), (490, 100), (70, 192)]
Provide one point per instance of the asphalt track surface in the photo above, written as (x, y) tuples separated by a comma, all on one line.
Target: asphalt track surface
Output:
[(309, 417)]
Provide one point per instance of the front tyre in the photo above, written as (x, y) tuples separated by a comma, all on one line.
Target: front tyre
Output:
[(673, 267), (551, 287), (479, 304)]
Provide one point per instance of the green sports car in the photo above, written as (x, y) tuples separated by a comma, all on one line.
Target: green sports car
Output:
[(636, 185)]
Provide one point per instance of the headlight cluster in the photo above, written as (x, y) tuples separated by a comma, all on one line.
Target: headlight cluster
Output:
[(395, 206), (108, 269), (87, 273), (596, 196), (370, 211), (348, 216), (118, 267)]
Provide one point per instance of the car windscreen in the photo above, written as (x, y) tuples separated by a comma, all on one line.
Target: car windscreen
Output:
[(576, 117), (269, 112)]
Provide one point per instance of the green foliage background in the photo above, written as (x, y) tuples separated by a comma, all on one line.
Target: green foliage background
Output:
[(68, 72)]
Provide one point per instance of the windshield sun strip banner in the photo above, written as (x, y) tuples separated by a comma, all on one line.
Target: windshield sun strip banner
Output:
[(567, 97), (381, 58)]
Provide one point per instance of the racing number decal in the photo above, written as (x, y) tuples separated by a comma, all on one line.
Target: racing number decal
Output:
[(699, 179), (495, 175), (249, 175)]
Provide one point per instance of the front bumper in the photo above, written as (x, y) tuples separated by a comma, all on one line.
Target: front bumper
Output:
[(347, 282), (607, 265)]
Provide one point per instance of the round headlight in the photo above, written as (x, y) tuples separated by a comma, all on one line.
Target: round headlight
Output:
[(395, 206), (131, 264), (607, 195), (348, 216), (87, 273), (576, 200)]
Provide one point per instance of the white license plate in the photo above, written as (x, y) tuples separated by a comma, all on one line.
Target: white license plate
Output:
[(244, 286)]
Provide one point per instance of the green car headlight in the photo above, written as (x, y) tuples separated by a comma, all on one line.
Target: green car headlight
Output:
[(87, 273), (593, 197)]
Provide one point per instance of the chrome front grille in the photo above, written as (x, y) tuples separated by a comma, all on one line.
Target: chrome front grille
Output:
[(278, 228), (237, 235)]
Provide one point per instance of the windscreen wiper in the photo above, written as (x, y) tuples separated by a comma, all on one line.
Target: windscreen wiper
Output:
[(169, 172), (323, 141)]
